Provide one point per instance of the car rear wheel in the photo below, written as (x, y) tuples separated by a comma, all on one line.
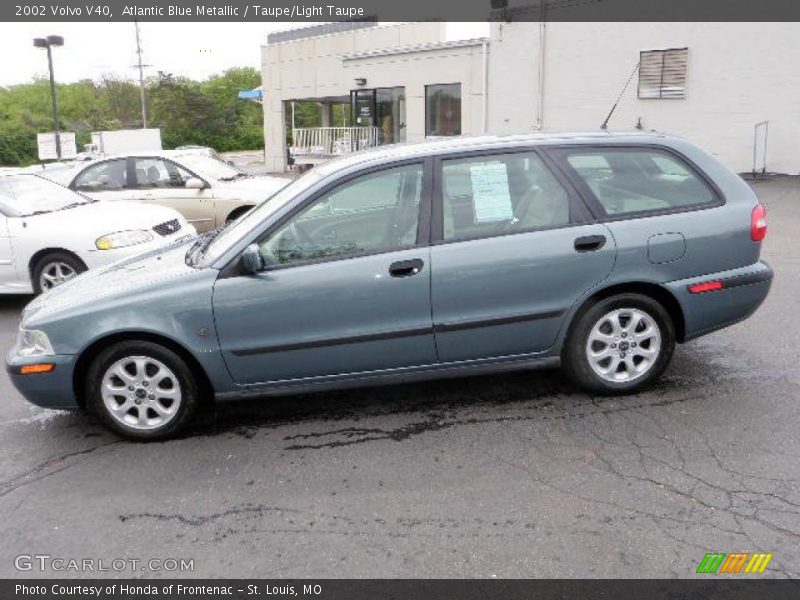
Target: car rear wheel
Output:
[(141, 390), (55, 268), (620, 344)]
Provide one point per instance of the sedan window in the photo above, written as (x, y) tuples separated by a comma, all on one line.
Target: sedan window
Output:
[(373, 213), (103, 177), (159, 173)]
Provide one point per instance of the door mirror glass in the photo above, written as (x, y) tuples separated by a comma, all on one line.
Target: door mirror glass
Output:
[(251, 259), (193, 183)]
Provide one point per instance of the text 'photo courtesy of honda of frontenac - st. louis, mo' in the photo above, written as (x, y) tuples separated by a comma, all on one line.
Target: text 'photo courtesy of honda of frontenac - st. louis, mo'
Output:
[(595, 252)]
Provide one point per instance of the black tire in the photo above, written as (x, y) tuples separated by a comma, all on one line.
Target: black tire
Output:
[(188, 388), (51, 258), (237, 212), (576, 362)]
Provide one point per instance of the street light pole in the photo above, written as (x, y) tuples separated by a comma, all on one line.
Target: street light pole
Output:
[(54, 98), (141, 76), (47, 43)]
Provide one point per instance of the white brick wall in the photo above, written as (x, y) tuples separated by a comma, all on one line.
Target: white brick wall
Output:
[(738, 74)]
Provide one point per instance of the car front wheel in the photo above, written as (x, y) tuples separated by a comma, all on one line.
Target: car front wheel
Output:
[(141, 390), (55, 268), (620, 344)]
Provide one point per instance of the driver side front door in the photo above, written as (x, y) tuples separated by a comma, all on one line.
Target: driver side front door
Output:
[(346, 290)]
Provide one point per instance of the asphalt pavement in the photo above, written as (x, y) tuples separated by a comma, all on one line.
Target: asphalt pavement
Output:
[(504, 476)]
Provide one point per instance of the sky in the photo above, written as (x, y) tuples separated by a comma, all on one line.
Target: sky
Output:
[(194, 50)]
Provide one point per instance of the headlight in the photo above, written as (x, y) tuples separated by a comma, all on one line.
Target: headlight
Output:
[(120, 239), (31, 342)]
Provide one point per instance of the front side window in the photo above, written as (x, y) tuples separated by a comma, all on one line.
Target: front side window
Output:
[(378, 212), (103, 177), (159, 173), (498, 194), (443, 109), (627, 181)]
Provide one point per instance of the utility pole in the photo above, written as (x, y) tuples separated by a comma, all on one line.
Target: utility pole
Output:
[(141, 75), (47, 43)]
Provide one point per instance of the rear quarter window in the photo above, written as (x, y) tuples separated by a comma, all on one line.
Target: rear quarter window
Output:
[(629, 181)]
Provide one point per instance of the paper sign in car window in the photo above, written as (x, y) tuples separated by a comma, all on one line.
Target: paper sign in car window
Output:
[(490, 195)]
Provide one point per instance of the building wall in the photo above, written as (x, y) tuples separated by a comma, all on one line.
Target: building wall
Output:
[(738, 74), (316, 68), (415, 70)]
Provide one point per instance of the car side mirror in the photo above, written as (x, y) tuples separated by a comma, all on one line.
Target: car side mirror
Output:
[(194, 183), (251, 260)]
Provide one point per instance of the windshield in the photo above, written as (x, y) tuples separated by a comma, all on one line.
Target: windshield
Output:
[(25, 195), (205, 166), (228, 236)]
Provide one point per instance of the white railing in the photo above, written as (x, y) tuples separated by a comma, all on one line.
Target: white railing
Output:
[(322, 142)]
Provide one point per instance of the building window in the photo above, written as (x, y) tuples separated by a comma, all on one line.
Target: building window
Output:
[(662, 73), (443, 109)]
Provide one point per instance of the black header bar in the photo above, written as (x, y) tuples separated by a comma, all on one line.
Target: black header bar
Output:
[(393, 10)]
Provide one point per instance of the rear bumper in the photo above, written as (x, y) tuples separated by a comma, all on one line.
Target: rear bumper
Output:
[(743, 291), (48, 390)]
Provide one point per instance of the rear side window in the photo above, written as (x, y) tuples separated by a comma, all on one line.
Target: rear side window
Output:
[(107, 176), (639, 180), (499, 194)]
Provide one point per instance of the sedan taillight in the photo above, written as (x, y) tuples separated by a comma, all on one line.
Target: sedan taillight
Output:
[(758, 223)]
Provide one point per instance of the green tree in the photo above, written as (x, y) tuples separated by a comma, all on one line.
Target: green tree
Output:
[(207, 113)]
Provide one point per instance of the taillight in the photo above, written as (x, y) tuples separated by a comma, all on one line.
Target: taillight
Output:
[(706, 286), (758, 223)]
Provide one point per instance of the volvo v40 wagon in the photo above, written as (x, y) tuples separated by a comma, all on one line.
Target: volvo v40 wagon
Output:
[(596, 252)]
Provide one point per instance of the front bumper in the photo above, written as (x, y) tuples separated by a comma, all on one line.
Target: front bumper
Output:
[(48, 390), (743, 291)]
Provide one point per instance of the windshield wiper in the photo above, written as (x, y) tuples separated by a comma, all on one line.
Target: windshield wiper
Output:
[(235, 177), (38, 212), (74, 204), (196, 251)]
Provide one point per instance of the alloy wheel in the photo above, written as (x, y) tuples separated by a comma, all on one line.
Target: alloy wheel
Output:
[(54, 274), (623, 345), (141, 392)]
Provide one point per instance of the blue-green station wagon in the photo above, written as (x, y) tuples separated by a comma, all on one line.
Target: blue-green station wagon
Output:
[(449, 258)]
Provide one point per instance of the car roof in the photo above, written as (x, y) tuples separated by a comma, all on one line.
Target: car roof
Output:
[(467, 143)]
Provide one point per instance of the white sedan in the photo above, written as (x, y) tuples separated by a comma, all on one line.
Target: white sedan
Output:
[(49, 234)]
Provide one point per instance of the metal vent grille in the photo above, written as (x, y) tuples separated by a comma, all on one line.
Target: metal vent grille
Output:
[(167, 228), (662, 73)]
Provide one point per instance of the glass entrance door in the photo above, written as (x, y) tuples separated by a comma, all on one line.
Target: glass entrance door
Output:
[(384, 108), (362, 104)]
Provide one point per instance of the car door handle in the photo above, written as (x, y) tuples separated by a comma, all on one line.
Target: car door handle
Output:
[(589, 243), (406, 268)]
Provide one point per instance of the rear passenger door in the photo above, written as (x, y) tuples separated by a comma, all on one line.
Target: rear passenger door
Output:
[(668, 219), (513, 249)]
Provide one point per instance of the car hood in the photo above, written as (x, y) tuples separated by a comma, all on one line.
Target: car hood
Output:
[(100, 218), (258, 187), (120, 281)]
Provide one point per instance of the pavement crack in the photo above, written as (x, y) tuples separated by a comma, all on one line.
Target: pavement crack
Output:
[(48, 468)]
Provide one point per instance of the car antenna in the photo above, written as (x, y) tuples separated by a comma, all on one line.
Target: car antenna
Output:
[(622, 93)]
